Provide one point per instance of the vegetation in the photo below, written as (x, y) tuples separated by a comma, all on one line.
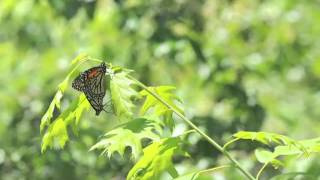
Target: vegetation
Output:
[(218, 89)]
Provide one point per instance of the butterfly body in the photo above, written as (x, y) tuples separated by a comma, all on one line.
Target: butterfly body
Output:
[(92, 83)]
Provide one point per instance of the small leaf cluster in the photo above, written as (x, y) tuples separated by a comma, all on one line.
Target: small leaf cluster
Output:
[(143, 117), (282, 146), (146, 113)]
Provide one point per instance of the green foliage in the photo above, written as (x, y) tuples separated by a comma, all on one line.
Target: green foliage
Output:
[(156, 159), (130, 134), (165, 92), (46, 118), (57, 131), (267, 138), (56, 134), (238, 65), (284, 146), (122, 94), (264, 156)]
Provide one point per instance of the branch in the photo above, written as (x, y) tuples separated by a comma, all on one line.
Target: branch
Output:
[(211, 141)]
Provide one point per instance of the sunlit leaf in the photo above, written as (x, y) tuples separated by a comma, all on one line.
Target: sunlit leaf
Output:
[(76, 109), (165, 92), (79, 58), (56, 134), (157, 159), (309, 146), (122, 93), (268, 138), (46, 118), (304, 147), (265, 156), (130, 134)]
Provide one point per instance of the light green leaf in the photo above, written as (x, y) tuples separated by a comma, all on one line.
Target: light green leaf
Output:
[(79, 58), (304, 147), (73, 114), (46, 118), (268, 138), (265, 156), (130, 135), (156, 159), (309, 146), (284, 146), (56, 134), (122, 93), (165, 92)]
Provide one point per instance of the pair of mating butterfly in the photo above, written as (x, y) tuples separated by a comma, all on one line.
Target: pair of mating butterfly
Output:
[(92, 83)]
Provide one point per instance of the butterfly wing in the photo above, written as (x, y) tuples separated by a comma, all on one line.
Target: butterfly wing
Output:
[(93, 74), (95, 101), (78, 83), (92, 83)]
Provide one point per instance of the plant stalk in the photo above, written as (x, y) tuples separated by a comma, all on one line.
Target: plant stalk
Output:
[(211, 141)]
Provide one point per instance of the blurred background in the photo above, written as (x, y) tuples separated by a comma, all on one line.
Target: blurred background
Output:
[(237, 64)]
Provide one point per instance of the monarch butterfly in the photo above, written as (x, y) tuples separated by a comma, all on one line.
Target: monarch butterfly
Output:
[(92, 83)]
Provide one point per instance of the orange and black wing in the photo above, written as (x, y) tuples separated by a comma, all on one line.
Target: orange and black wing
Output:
[(92, 83)]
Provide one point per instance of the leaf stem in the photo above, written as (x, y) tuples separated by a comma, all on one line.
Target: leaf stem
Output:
[(211, 141), (230, 142), (260, 171), (214, 169)]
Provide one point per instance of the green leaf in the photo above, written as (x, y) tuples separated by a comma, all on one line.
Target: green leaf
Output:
[(309, 146), (165, 92), (285, 146), (265, 156), (305, 147), (46, 118), (73, 114), (122, 93), (56, 134), (79, 58), (267, 138), (156, 159), (130, 135)]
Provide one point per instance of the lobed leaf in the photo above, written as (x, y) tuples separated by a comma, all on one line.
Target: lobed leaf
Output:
[(309, 146), (46, 118), (122, 93), (56, 134), (165, 92), (156, 159), (130, 134), (285, 146), (264, 156), (267, 138)]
